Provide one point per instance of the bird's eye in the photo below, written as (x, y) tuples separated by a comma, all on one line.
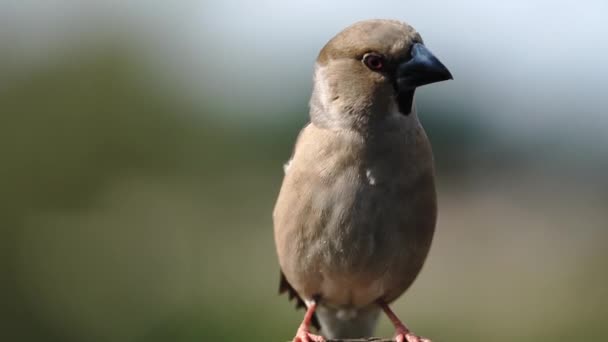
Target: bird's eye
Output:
[(373, 61)]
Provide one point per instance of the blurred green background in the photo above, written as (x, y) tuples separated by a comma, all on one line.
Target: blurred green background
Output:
[(142, 146)]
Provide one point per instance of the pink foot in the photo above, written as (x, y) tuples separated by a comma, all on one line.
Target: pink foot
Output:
[(403, 335), (303, 335)]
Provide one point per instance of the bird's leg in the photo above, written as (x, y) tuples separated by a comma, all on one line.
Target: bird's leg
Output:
[(303, 334), (402, 333)]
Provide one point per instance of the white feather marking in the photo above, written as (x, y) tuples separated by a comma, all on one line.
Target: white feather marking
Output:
[(286, 166), (370, 177), (322, 85), (346, 314), (308, 302)]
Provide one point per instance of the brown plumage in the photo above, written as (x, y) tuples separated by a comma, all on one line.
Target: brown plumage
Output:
[(356, 212)]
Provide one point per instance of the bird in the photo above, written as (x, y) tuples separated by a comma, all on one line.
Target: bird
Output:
[(356, 212)]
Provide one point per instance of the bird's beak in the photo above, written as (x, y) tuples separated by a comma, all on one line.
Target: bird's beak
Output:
[(423, 68)]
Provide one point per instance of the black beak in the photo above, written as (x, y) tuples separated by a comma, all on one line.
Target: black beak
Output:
[(423, 68)]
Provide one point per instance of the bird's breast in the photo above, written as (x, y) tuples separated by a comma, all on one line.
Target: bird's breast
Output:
[(359, 222)]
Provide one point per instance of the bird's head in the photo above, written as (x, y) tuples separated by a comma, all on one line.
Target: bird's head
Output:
[(369, 70)]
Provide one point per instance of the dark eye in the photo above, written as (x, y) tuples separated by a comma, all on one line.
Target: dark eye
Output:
[(373, 61)]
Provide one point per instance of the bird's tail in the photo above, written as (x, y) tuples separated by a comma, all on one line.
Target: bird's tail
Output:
[(347, 323)]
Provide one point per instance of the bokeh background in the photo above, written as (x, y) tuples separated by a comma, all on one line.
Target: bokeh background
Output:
[(142, 145)]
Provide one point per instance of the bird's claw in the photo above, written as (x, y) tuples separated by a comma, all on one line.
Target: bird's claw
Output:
[(303, 335), (409, 337)]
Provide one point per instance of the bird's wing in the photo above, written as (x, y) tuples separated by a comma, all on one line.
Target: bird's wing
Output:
[(284, 286)]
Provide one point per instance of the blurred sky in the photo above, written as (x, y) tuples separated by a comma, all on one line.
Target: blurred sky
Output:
[(535, 69)]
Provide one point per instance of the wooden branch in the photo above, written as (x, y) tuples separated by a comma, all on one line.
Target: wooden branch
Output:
[(371, 339)]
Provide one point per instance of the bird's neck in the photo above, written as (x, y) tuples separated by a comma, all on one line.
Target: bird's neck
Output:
[(367, 120)]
